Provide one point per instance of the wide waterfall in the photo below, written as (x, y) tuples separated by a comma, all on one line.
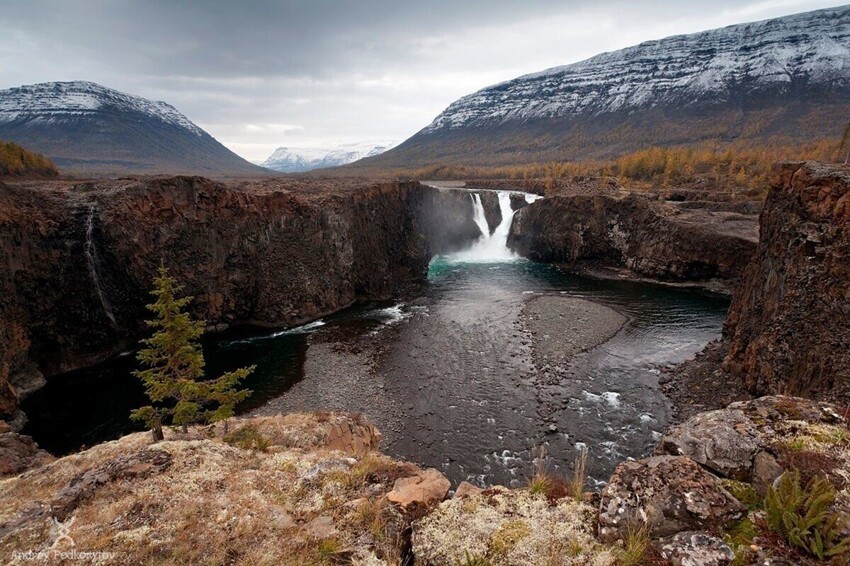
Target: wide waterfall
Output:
[(490, 247)]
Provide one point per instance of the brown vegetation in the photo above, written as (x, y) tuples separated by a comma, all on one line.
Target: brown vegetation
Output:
[(713, 164), (16, 161)]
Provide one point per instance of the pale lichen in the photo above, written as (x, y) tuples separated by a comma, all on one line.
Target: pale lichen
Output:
[(510, 527)]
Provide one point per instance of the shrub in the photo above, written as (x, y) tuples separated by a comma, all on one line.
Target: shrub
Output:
[(248, 438), (809, 464), (803, 516)]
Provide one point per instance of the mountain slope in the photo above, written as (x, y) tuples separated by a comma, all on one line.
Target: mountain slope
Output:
[(787, 78), (86, 128), (296, 160)]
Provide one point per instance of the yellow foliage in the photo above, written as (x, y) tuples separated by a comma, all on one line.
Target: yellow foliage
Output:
[(15, 161), (743, 165)]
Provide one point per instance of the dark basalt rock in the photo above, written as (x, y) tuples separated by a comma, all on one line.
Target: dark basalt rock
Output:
[(646, 235), (789, 323), (77, 260)]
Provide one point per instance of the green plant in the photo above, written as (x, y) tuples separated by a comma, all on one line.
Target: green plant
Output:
[(544, 482), (797, 444), (174, 375), (508, 535), (248, 438), (743, 492), (539, 483), (803, 517), (636, 545), (740, 539), (330, 551), (473, 560)]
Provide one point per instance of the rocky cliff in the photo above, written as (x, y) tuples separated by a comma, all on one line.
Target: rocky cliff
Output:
[(641, 232), (789, 324), (77, 260)]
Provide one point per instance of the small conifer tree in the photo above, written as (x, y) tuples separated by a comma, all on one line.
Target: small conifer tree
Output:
[(174, 375)]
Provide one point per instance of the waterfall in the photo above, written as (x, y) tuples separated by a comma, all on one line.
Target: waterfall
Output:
[(92, 262), (478, 215), (490, 247)]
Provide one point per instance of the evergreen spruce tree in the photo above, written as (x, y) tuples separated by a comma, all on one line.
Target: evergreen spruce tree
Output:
[(174, 378)]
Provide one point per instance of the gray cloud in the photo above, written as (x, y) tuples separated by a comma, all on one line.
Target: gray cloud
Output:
[(260, 74)]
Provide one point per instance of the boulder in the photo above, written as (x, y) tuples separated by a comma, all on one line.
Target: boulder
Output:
[(695, 549), (19, 453), (765, 471), (668, 494), (465, 489), (322, 527), (740, 441), (354, 436), (423, 490), (724, 441)]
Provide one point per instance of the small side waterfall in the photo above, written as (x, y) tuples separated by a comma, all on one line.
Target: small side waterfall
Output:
[(92, 262), (490, 247)]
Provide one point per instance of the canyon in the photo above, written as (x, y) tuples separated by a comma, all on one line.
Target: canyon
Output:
[(77, 260), (78, 257)]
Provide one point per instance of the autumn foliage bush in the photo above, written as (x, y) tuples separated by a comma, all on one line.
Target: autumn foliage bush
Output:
[(16, 161)]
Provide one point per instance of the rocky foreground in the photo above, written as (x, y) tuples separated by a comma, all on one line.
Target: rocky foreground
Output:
[(314, 489)]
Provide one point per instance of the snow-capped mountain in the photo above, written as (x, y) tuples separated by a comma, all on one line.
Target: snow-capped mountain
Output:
[(87, 128), (300, 159), (775, 77)]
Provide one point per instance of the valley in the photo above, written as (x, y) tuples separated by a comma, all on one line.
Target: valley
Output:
[(594, 314)]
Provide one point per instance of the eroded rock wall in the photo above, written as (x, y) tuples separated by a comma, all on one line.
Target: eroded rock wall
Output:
[(789, 323), (78, 260), (648, 236)]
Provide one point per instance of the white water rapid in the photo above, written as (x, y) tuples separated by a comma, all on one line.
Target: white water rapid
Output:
[(92, 262), (490, 247)]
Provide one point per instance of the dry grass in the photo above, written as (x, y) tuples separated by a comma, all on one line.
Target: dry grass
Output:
[(217, 503), (636, 546), (555, 486)]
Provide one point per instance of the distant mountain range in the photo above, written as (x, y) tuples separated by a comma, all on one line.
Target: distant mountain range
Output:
[(300, 159), (86, 128), (782, 79)]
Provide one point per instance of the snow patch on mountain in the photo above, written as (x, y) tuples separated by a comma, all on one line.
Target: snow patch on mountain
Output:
[(300, 159), (812, 47), (63, 101)]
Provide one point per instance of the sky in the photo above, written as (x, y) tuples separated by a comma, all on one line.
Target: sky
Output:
[(258, 75)]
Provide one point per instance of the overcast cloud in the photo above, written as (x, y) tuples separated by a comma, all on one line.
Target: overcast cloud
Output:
[(261, 74)]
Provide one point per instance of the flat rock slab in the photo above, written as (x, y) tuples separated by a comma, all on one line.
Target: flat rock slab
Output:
[(425, 489)]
